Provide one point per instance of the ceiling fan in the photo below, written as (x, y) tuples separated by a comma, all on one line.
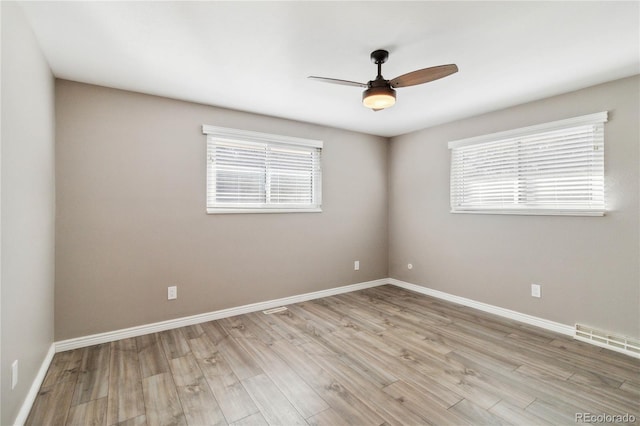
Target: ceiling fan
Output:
[(380, 93)]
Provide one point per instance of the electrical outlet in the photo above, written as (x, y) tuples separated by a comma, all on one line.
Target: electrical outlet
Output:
[(172, 292), (14, 374), (536, 290), (409, 266), (356, 265)]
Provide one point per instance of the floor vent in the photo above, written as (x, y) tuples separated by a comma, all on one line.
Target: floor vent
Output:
[(274, 310), (607, 340)]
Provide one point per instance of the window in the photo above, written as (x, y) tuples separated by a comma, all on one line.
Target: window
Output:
[(555, 168), (250, 172)]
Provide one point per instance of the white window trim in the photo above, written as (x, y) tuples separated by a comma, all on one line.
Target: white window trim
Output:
[(247, 136), (599, 117)]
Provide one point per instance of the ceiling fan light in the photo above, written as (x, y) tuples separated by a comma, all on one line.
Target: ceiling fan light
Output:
[(379, 97)]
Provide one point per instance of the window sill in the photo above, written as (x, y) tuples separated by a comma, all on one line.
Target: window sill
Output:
[(536, 212), (237, 210)]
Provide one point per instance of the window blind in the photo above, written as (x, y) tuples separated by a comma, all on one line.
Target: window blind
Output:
[(556, 168), (251, 172)]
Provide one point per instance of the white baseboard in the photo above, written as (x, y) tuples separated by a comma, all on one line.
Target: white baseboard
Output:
[(25, 409), (110, 336), (95, 339), (485, 307)]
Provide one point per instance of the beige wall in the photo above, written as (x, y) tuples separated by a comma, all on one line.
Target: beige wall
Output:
[(28, 207), (588, 266), (131, 214)]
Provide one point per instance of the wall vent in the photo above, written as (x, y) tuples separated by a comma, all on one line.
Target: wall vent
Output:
[(615, 342), (274, 310)]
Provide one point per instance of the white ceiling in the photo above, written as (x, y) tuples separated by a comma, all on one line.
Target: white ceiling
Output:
[(255, 56)]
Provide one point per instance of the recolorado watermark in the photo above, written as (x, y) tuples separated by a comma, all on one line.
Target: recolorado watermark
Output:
[(605, 418)]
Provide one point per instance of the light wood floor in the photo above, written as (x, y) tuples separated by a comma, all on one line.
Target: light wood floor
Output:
[(372, 357)]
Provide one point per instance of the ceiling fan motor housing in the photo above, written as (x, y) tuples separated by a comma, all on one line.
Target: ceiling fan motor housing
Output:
[(379, 95)]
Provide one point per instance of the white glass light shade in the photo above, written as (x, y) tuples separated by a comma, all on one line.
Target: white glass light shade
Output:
[(379, 97)]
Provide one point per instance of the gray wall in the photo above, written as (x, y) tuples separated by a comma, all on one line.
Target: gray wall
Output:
[(588, 266), (131, 218), (131, 214), (27, 165)]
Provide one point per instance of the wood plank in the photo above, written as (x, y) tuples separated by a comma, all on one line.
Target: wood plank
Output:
[(594, 379), (516, 350), (64, 366), (590, 353), (136, 421), (577, 394), (92, 413), (561, 358), (93, 379), (484, 377), (383, 404), (267, 328), (330, 310), (359, 358), (252, 420), (58, 363), (407, 372), (328, 417), (476, 414), (456, 387), (337, 310), (423, 404), (52, 405), (151, 355), (192, 331), (493, 359), (185, 370), (233, 399), (199, 405), (340, 399), (214, 331), (554, 412), (277, 328), (523, 385), (427, 309), (529, 386), (174, 343), (162, 402), (252, 326), (631, 387), (238, 359), (273, 405), (238, 326), (516, 415), (301, 326), (125, 399), (315, 324), (296, 390), (446, 372), (202, 347)]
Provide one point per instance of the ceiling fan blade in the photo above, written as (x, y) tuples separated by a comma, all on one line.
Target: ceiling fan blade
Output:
[(336, 81), (424, 75)]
